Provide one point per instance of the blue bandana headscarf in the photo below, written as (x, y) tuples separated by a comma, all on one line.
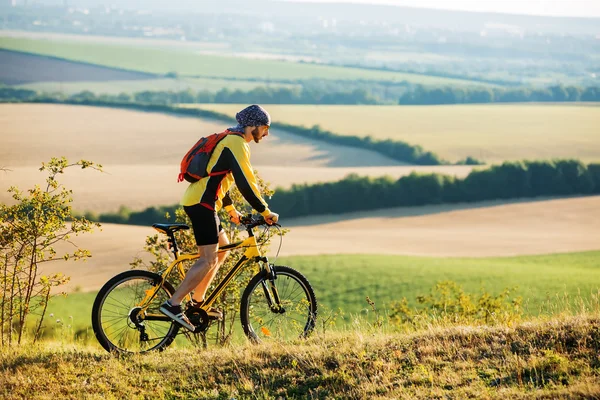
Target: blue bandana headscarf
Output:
[(253, 115)]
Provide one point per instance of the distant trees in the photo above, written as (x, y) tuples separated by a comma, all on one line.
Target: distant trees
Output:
[(511, 180), (267, 95), (15, 94), (283, 95), (313, 93), (590, 94), (423, 95)]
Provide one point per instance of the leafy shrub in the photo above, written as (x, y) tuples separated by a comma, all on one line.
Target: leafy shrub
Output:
[(447, 302), (40, 219)]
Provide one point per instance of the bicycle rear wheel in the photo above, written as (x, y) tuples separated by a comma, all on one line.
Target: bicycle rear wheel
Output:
[(264, 320), (122, 324)]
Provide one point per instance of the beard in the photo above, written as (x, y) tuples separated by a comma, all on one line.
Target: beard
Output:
[(256, 135)]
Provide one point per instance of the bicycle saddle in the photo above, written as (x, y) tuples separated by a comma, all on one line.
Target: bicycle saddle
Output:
[(169, 228)]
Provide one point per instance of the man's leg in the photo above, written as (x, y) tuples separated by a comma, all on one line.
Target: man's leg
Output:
[(206, 226), (202, 267), (206, 265), (200, 290)]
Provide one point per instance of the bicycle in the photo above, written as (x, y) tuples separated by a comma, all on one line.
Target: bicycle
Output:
[(277, 304)]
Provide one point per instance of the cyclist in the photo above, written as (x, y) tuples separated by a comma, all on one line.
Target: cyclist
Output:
[(202, 200)]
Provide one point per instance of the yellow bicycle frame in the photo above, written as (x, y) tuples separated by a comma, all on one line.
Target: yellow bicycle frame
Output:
[(252, 253)]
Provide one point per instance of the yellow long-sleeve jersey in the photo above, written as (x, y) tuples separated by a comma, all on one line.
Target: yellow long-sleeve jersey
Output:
[(229, 163)]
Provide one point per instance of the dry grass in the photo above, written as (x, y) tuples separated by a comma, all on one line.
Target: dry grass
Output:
[(491, 132), (141, 153), (551, 359)]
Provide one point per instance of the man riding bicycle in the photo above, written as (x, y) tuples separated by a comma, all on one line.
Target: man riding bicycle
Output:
[(229, 163)]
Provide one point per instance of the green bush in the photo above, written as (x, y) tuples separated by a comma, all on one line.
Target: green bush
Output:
[(30, 232), (594, 170), (447, 302)]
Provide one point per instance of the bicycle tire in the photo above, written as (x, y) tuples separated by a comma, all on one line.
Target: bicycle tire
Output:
[(262, 323), (111, 322)]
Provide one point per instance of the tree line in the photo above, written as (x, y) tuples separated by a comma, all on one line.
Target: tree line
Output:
[(370, 94), (262, 94), (423, 95), (510, 180)]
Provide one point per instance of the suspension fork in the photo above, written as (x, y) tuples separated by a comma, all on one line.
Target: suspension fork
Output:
[(270, 289)]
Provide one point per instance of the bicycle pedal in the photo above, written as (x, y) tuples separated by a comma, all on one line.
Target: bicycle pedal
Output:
[(213, 314)]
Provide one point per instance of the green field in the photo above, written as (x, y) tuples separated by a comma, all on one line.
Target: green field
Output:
[(162, 61), (547, 283), (491, 132), (343, 281)]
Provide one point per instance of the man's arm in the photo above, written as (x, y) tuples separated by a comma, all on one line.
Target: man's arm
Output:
[(234, 215), (228, 203), (244, 177)]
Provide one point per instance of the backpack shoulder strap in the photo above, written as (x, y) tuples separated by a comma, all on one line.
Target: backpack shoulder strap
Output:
[(221, 136)]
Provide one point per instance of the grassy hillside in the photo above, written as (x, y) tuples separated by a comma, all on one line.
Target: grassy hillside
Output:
[(162, 61), (547, 283), (491, 133), (553, 359)]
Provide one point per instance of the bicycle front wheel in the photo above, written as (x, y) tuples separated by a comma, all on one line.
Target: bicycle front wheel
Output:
[(121, 323), (283, 309)]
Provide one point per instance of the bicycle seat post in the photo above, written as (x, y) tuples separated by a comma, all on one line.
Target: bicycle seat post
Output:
[(173, 244), (169, 230)]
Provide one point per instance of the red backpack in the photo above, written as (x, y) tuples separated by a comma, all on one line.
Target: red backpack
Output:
[(193, 165)]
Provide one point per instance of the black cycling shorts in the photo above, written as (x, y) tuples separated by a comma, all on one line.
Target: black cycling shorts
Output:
[(205, 223)]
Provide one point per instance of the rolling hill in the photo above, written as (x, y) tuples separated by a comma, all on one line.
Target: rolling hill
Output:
[(142, 152)]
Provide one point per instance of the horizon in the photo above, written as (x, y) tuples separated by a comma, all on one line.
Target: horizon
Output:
[(544, 8)]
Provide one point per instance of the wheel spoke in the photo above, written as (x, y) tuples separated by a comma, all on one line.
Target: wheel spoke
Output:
[(107, 327), (296, 298), (113, 324)]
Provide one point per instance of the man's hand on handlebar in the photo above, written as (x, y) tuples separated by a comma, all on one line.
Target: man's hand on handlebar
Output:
[(256, 220), (272, 218), (234, 216)]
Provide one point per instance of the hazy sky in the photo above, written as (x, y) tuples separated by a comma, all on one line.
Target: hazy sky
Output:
[(573, 8)]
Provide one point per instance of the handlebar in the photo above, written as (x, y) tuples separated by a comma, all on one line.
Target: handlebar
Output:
[(252, 221)]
